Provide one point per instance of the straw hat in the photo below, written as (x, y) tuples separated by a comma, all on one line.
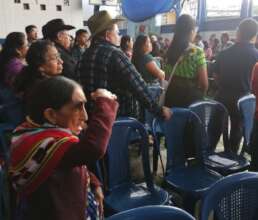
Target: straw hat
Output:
[(100, 22)]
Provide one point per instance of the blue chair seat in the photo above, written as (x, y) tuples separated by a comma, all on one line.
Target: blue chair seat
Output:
[(128, 196), (191, 179), (227, 163)]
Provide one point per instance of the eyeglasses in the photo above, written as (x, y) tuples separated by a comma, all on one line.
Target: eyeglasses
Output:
[(55, 57)]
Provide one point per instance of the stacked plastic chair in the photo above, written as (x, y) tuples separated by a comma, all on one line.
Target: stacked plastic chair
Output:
[(186, 174), (214, 117), (233, 197), (153, 213), (123, 194), (246, 106)]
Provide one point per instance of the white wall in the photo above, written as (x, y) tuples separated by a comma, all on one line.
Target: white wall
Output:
[(13, 17)]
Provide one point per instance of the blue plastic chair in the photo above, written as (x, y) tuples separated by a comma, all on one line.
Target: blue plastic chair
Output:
[(188, 176), (233, 197), (246, 106), (155, 91), (5, 130), (141, 10), (123, 194), (153, 213), (214, 117)]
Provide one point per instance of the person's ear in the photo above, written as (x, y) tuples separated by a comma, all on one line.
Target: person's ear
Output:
[(18, 52), (50, 115)]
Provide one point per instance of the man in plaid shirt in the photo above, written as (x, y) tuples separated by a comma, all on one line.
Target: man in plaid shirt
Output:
[(104, 65)]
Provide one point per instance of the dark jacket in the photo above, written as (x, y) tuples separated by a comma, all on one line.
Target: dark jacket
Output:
[(69, 65)]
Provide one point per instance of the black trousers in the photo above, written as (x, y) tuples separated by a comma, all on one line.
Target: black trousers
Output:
[(254, 147), (236, 130)]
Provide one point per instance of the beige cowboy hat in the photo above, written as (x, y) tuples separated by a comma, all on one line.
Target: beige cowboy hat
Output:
[(101, 21)]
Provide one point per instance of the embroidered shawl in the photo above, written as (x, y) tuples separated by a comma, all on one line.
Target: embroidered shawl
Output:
[(36, 152)]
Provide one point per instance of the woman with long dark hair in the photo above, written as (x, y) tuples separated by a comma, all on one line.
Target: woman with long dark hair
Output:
[(190, 80), (43, 62), (12, 57), (144, 62), (49, 162)]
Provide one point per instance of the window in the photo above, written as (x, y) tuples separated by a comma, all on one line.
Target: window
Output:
[(17, 1), (168, 18), (222, 8), (26, 6), (255, 8), (85, 23), (59, 8), (190, 7), (43, 7), (66, 2)]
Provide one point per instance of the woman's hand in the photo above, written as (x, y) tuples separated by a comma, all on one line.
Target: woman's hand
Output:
[(103, 93), (99, 196)]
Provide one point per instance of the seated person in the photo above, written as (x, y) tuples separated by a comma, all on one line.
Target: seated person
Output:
[(48, 167)]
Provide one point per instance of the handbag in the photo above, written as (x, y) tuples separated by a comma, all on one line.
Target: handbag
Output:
[(165, 83)]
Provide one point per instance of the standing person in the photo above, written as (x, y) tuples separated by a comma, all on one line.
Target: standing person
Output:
[(155, 46), (43, 61), (32, 33), (49, 163), (198, 41), (82, 42), (104, 65), (233, 73), (12, 57), (144, 62), (207, 51), (190, 80), (57, 31), (127, 46), (225, 42)]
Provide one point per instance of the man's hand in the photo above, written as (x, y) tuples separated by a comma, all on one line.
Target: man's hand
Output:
[(103, 93), (166, 113)]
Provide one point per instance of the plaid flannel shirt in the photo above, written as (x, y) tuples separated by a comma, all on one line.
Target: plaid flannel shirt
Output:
[(103, 65)]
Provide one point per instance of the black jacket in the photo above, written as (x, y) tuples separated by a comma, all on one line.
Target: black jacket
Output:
[(69, 65)]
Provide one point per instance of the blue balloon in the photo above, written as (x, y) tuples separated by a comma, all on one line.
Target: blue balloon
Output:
[(140, 10)]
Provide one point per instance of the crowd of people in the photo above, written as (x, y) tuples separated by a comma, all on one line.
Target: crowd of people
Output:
[(72, 91)]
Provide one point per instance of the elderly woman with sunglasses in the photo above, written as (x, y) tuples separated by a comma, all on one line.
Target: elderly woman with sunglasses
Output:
[(49, 162)]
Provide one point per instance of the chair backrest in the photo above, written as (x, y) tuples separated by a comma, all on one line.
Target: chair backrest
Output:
[(233, 197), (246, 106), (153, 213), (117, 153), (178, 139), (214, 117), (155, 93)]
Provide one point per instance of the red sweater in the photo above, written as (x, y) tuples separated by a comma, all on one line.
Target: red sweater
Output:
[(63, 195)]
